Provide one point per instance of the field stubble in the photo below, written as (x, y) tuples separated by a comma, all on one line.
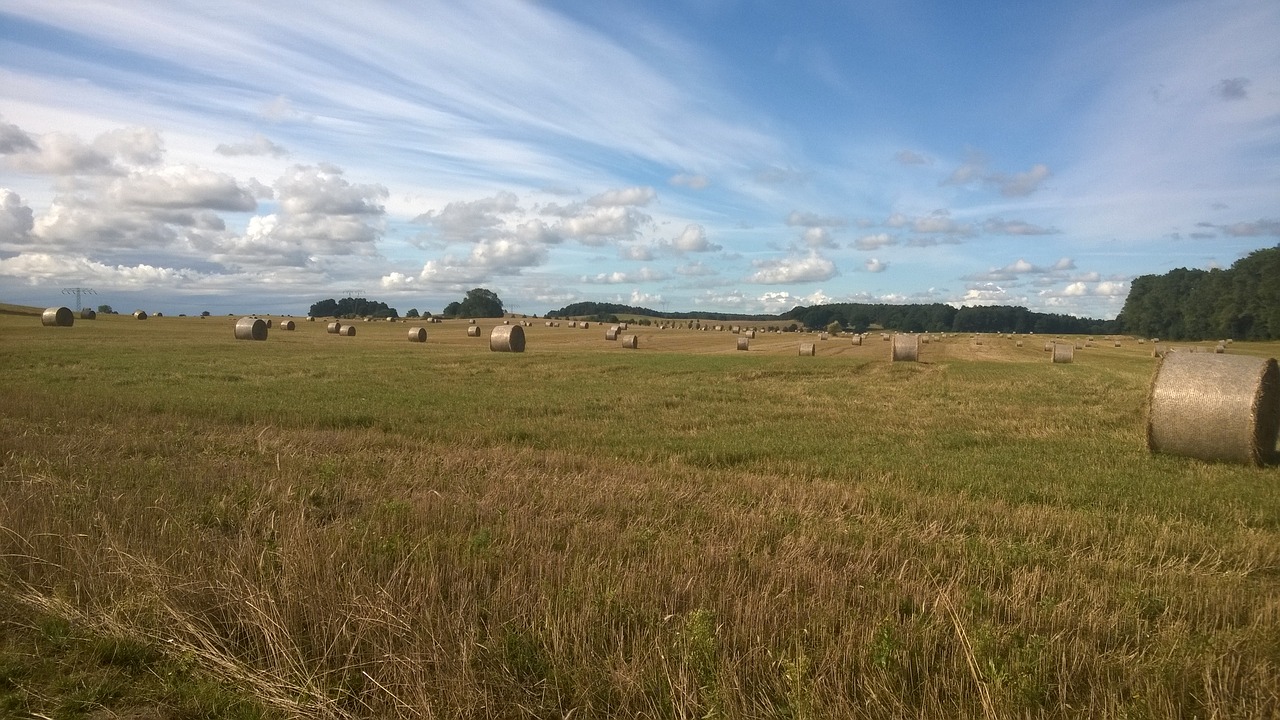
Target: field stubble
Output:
[(365, 527)]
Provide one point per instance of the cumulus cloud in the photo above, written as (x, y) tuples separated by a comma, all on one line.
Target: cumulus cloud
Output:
[(256, 145), (38, 268), (321, 189), (644, 274), (816, 238), (810, 268), (874, 241), (1106, 288), (468, 220), (1019, 267), (16, 219), (874, 266), (974, 170), (938, 222), (692, 239), (599, 226), (183, 186), (693, 182), (643, 253), (14, 139)]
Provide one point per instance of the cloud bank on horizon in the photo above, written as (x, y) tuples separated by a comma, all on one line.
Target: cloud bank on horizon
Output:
[(718, 155)]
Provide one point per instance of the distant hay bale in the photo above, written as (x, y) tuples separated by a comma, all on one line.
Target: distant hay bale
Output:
[(611, 333), (251, 328), (284, 325), (1048, 347), (473, 331), (58, 317), (906, 348), (333, 328), (417, 334), (808, 349), (1219, 349), (506, 322), (1215, 407), (1078, 346), (744, 343), (586, 326), (884, 337), (1142, 341), (750, 334), (87, 314), (978, 341), (311, 319), (1064, 352), (472, 321), (1018, 344), (347, 331), (573, 323), (631, 342), (624, 326), (857, 340), (1116, 344), (507, 338), (140, 314), (159, 314), (550, 324)]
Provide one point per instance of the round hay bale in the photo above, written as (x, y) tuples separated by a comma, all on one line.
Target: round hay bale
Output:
[(506, 322), (744, 343), (311, 319), (750, 334), (630, 342), (347, 331), (417, 334), (333, 328), (269, 325), (507, 338), (472, 321), (1078, 346), (1215, 407), (808, 349), (58, 317), (1142, 341), (87, 314), (857, 340), (284, 325), (140, 314), (906, 348), (1048, 347), (624, 326), (550, 324), (1219, 349), (1018, 344), (573, 323), (611, 333), (473, 331), (251, 328), (1064, 352)]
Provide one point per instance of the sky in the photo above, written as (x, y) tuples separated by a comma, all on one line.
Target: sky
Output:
[(734, 156)]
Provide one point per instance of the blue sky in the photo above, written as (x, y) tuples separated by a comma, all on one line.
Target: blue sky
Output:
[(719, 155)]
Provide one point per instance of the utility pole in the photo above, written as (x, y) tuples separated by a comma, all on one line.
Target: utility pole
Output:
[(353, 293), (78, 291)]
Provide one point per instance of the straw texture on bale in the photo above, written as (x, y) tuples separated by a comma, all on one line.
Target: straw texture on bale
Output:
[(1064, 352), (473, 331), (744, 343), (140, 314), (612, 332), (286, 325), (347, 331), (251, 328), (507, 338), (417, 334), (87, 314), (808, 349), (1117, 344), (1215, 407), (906, 348), (58, 317), (630, 342)]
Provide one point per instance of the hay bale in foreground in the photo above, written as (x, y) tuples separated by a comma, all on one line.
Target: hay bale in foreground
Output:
[(1064, 352), (285, 325), (612, 332), (140, 314), (87, 314), (630, 342), (251, 328), (417, 334), (473, 331), (906, 348), (333, 328), (744, 343), (347, 331), (808, 349), (507, 338), (58, 317), (1215, 407)]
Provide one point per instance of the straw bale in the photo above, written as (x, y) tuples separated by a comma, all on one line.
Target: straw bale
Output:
[(506, 322), (573, 323), (906, 348), (417, 334), (1117, 344), (978, 341), (347, 331), (285, 325), (808, 349), (58, 317), (631, 342), (1219, 349), (140, 314), (507, 338), (333, 328), (473, 331), (550, 324), (472, 321), (744, 343), (586, 326), (750, 334), (624, 326), (311, 319), (251, 328), (1064, 352), (87, 314), (1048, 347), (857, 340), (1215, 407), (1018, 344), (611, 333)]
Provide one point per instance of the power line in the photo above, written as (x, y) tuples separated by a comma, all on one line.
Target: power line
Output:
[(78, 291)]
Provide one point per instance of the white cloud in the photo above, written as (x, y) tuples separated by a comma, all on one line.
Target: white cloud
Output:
[(182, 186), (14, 139), (692, 239), (1076, 289), (632, 196), (468, 220), (696, 269), (321, 189), (816, 238), (644, 274), (16, 219), (602, 225), (643, 299), (256, 145), (874, 266), (874, 241), (811, 268), (814, 220)]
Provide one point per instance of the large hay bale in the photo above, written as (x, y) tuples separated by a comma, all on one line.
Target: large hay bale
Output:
[(285, 325), (58, 317), (347, 331), (473, 331), (611, 333), (333, 328), (417, 334), (1064, 352), (808, 349), (630, 342), (906, 348), (744, 343), (251, 328), (140, 314), (87, 314), (507, 338), (1215, 407)]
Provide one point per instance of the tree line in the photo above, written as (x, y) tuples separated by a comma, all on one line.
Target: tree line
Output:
[(1241, 302)]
